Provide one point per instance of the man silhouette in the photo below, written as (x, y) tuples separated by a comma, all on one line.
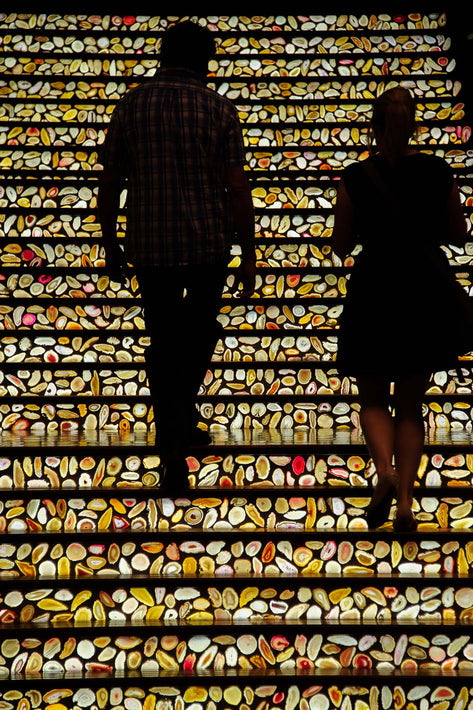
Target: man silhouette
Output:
[(177, 147)]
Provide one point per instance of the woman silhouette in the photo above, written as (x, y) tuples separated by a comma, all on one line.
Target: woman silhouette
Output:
[(405, 315)]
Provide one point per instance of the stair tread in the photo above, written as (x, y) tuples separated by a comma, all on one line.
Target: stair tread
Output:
[(195, 627), (256, 490), (285, 531), (282, 579), (242, 440), (266, 676)]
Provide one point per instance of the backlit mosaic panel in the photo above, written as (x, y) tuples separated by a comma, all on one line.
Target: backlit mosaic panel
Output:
[(214, 510), (248, 694), (60, 316), (228, 647), (299, 695), (141, 23), (219, 551), (64, 347), (226, 600), (441, 110), (11, 134), (101, 576), (134, 413), (67, 413), (238, 91), (135, 470), (271, 84), (264, 159), (318, 412), (263, 379), (274, 284)]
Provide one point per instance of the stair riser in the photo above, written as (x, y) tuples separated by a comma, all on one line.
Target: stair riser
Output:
[(214, 510), (77, 650), (227, 552), (218, 466), (164, 693), (125, 601), (122, 415)]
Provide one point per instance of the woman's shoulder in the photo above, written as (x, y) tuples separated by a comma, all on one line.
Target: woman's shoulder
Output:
[(429, 161), (353, 171), (431, 168)]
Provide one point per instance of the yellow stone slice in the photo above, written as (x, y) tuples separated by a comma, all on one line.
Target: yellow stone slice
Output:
[(142, 595), (80, 598), (155, 613), (52, 605)]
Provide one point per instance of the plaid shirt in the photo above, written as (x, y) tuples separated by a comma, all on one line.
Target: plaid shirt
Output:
[(173, 138)]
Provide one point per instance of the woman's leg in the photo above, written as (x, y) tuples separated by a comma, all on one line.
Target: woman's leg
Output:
[(376, 421), (378, 429), (408, 439)]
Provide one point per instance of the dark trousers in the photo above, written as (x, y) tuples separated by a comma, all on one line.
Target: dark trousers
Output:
[(181, 305)]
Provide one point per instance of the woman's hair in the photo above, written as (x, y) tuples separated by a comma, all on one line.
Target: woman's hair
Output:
[(187, 44), (393, 122)]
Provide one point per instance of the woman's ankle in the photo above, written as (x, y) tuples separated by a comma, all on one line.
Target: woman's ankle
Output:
[(385, 469)]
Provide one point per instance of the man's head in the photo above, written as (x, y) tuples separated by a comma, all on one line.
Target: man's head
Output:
[(187, 44)]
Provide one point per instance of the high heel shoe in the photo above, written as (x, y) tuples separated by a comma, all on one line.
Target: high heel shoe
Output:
[(378, 510), (405, 523)]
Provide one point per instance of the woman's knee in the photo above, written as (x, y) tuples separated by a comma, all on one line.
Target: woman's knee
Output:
[(374, 392), (408, 397)]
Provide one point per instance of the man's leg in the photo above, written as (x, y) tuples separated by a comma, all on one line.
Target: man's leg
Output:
[(181, 308), (204, 285), (162, 293)]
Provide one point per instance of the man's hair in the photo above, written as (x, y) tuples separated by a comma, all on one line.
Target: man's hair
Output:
[(187, 44)]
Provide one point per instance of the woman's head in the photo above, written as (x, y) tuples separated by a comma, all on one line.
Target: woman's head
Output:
[(393, 122)]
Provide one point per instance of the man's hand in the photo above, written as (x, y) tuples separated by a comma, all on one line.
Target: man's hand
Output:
[(246, 275), (108, 203), (243, 214), (115, 263)]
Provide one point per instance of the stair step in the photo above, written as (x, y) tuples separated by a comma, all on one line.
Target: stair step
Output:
[(124, 599), (96, 114), (241, 88), (137, 509), (286, 411), (322, 688), (82, 550), (223, 379), (179, 646), (269, 159), (295, 461), (256, 135), (383, 23)]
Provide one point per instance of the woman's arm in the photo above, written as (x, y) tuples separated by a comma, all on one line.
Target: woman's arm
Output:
[(343, 234), (457, 230)]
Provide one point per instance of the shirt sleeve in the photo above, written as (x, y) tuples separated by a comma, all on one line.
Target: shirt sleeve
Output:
[(113, 152), (235, 145)]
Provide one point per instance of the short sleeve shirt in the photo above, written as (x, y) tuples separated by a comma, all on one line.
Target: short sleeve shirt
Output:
[(173, 138)]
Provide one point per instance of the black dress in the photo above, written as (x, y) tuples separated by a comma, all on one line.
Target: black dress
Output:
[(404, 311)]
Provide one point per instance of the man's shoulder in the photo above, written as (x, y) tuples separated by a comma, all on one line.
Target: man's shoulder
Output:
[(159, 86), (219, 98)]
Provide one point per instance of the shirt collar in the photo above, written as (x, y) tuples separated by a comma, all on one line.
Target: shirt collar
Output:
[(179, 72)]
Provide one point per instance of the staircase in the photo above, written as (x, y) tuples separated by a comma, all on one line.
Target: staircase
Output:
[(263, 589)]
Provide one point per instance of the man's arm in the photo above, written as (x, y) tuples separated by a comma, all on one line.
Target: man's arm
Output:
[(343, 229), (108, 203), (241, 200)]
